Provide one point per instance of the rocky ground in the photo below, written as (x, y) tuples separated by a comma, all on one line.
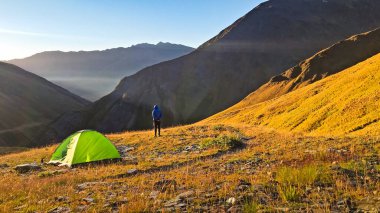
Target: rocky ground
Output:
[(203, 169)]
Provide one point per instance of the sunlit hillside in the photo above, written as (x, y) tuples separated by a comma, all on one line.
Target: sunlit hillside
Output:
[(345, 103), (329, 61)]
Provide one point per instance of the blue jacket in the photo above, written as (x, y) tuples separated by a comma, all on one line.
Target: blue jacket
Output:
[(156, 113)]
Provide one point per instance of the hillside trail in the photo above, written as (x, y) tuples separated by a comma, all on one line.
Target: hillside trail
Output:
[(22, 127)]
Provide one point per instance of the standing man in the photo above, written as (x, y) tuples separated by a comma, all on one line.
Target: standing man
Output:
[(157, 115)]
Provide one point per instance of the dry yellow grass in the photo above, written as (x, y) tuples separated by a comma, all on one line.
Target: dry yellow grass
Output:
[(214, 178), (345, 103)]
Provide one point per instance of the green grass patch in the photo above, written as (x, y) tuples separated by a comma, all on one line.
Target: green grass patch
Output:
[(289, 193), (377, 167), (251, 207), (218, 127), (293, 181), (357, 166), (305, 176), (224, 142)]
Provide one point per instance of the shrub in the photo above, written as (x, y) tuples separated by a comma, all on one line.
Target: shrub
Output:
[(224, 142), (289, 193), (298, 177), (293, 181), (218, 127)]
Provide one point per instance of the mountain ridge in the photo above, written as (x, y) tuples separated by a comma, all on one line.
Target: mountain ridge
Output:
[(78, 71), (329, 61)]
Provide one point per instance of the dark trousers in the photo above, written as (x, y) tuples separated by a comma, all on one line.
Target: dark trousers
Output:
[(157, 126)]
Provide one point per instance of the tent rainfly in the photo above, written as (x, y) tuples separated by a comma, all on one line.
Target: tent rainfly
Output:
[(84, 147)]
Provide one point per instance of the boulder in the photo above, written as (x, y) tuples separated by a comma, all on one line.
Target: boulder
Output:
[(24, 168), (60, 209)]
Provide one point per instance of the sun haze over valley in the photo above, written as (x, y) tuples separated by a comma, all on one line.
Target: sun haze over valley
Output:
[(190, 106)]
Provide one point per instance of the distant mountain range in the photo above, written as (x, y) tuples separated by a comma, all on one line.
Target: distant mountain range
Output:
[(29, 102), (273, 37), (93, 74)]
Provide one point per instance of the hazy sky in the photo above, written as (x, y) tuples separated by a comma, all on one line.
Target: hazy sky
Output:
[(31, 26)]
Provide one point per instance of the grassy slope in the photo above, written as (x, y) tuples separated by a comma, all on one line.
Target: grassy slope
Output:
[(269, 160), (329, 61), (347, 102)]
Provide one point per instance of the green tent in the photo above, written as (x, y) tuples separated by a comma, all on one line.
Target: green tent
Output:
[(83, 147)]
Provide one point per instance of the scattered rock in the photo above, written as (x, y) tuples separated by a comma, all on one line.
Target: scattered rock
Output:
[(192, 148), (81, 208), (344, 203), (25, 168), (87, 185), (132, 172), (114, 205), (339, 151), (88, 200), (123, 150), (185, 195), (129, 160), (178, 200), (62, 199), (243, 185), (368, 205), (209, 195), (165, 185), (180, 205), (231, 201), (60, 209)]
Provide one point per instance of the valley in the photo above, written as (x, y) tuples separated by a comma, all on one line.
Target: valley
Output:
[(279, 112)]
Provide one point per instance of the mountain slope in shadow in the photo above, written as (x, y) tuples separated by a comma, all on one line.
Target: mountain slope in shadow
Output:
[(28, 103)]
